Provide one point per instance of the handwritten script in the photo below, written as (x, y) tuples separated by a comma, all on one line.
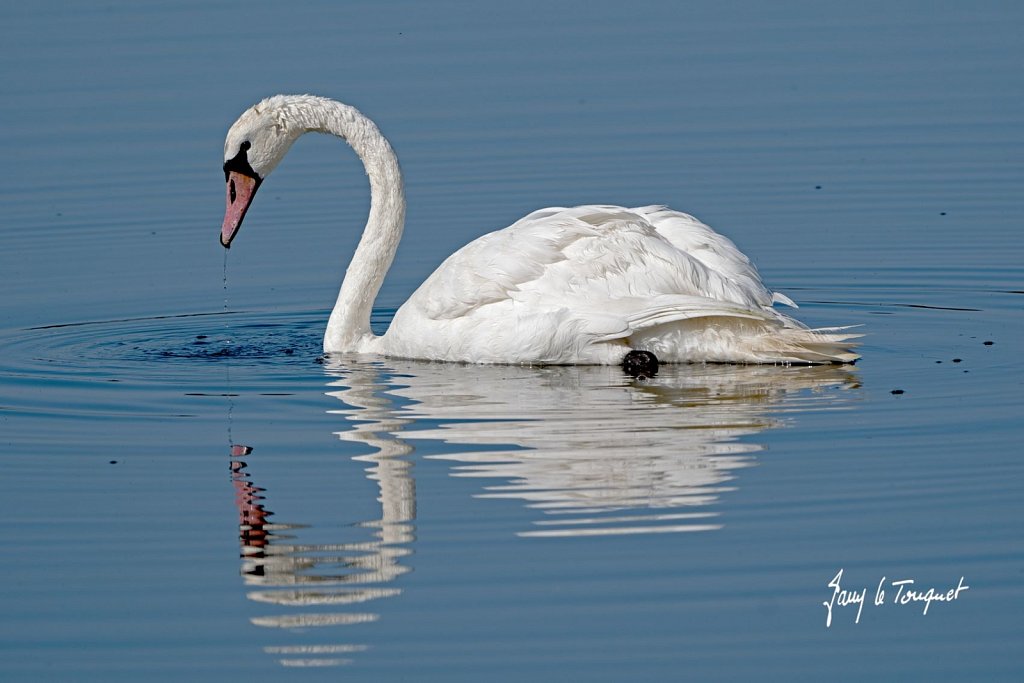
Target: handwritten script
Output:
[(906, 593)]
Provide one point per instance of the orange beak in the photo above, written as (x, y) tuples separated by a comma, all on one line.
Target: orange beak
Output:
[(241, 188)]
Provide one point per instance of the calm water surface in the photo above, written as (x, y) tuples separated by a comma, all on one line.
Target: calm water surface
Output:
[(192, 493)]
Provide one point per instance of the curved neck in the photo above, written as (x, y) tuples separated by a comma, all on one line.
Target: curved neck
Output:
[(349, 324)]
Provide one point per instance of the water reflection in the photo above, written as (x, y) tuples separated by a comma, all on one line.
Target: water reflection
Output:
[(318, 578), (596, 453), (593, 452)]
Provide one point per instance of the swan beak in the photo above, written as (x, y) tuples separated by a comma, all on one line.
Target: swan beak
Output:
[(241, 188)]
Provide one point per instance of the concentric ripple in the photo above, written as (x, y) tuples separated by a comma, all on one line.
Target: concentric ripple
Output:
[(189, 336), (135, 367)]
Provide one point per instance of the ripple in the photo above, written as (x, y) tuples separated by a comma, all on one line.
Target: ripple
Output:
[(150, 367), (131, 345)]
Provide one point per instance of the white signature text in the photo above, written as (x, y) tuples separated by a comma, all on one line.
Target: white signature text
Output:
[(906, 593)]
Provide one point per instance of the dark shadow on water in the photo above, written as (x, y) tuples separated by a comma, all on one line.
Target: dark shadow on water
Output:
[(896, 305), (115, 321)]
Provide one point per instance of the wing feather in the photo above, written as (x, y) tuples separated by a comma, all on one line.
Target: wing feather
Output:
[(582, 284)]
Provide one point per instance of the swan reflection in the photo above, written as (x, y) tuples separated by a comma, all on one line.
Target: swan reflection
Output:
[(592, 451), (595, 452), (318, 578)]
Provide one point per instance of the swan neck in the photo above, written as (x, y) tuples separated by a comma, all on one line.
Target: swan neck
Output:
[(348, 328)]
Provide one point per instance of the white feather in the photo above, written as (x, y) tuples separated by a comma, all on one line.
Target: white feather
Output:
[(562, 285)]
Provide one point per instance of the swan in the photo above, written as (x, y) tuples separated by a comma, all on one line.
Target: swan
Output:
[(581, 285)]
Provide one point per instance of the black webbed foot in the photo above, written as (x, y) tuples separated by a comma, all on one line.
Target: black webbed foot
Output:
[(640, 364)]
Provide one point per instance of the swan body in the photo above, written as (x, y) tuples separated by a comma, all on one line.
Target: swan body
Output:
[(581, 285)]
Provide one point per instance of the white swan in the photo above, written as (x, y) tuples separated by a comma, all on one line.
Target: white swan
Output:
[(581, 285)]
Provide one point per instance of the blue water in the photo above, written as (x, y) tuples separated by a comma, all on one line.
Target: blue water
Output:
[(191, 493)]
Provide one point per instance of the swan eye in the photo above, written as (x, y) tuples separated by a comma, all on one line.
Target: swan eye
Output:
[(240, 162), (233, 195)]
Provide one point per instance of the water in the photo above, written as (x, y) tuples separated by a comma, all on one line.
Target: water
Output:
[(190, 491)]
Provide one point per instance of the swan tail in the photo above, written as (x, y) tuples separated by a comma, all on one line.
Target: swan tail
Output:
[(804, 346), (692, 329)]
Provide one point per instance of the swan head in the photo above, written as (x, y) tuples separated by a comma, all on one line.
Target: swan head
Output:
[(255, 143)]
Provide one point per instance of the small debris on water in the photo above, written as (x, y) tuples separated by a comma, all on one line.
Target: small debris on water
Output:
[(957, 360), (988, 342), (896, 392)]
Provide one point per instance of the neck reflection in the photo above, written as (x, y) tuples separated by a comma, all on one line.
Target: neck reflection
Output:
[(588, 450), (330, 584), (594, 452)]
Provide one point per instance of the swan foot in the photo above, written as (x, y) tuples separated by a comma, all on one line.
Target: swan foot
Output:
[(640, 364)]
